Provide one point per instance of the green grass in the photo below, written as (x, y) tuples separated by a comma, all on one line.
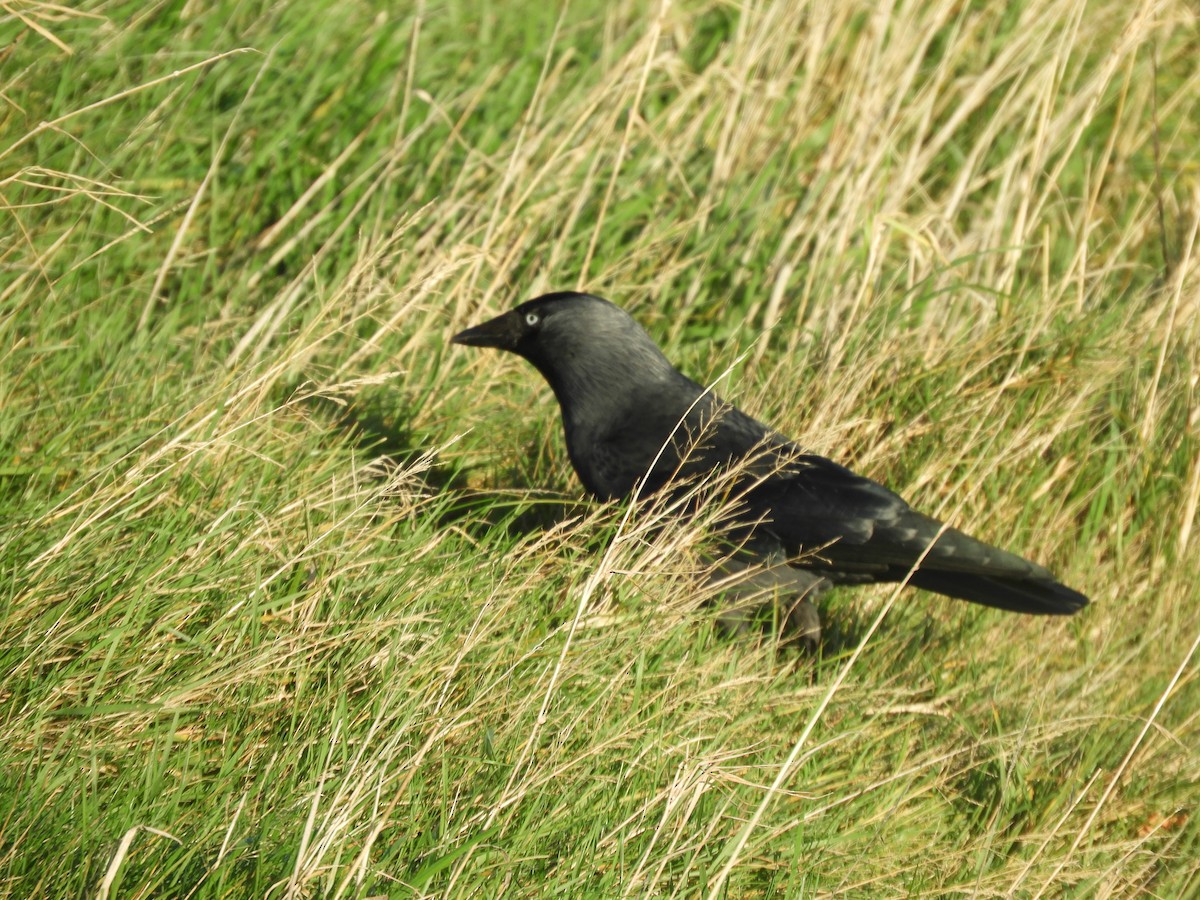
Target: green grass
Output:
[(297, 600)]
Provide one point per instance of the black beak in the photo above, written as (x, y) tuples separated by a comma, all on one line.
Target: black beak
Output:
[(502, 332)]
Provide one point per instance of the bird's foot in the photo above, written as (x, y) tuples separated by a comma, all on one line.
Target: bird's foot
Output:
[(796, 625)]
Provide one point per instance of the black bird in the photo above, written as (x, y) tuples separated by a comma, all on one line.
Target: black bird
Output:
[(631, 417)]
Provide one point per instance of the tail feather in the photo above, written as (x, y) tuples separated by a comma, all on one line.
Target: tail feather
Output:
[(1039, 596)]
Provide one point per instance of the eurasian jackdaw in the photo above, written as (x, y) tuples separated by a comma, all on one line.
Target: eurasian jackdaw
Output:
[(803, 521)]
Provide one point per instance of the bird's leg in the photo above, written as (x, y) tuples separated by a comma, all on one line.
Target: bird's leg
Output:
[(751, 586), (802, 621)]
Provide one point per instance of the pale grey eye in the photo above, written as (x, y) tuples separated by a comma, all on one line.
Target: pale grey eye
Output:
[(531, 319)]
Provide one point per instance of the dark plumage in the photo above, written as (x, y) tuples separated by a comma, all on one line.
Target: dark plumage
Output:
[(630, 416)]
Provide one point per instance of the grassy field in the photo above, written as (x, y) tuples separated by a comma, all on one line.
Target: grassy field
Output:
[(300, 601)]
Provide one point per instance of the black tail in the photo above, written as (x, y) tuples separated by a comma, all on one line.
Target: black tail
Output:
[(1040, 596)]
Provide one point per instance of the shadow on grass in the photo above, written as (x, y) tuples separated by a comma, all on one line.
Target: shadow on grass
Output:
[(376, 422)]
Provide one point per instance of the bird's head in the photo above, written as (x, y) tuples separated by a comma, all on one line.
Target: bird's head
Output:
[(580, 343)]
